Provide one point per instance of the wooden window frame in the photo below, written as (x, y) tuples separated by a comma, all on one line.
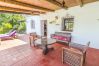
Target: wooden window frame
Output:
[(70, 20)]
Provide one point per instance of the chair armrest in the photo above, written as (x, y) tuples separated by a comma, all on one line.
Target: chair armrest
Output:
[(80, 47), (71, 50), (38, 36), (52, 35)]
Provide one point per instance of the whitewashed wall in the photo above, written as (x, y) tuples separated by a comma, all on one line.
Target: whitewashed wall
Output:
[(37, 24), (86, 26)]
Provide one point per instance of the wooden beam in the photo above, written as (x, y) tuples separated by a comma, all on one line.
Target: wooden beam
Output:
[(26, 5), (80, 2), (57, 3), (14, 9), (34, 14), (20, 11), (7, 11), (17, 12), (3, 11)]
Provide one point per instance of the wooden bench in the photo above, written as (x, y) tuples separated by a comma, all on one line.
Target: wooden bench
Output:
[(62, 37)]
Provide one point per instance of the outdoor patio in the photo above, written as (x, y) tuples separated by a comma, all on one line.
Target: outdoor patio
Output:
[(25, 55), (29, 29)]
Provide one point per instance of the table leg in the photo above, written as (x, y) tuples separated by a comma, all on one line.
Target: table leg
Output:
[(45, 50)]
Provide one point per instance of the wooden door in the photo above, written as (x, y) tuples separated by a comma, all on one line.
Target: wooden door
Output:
[(44, 27)]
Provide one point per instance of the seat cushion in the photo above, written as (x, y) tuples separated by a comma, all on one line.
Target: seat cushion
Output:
[(3, 35), (76, 50)]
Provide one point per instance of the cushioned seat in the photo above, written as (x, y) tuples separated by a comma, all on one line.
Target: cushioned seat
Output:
[(9, 35)]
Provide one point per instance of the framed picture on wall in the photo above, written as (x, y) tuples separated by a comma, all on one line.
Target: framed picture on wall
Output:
[(32, 24)]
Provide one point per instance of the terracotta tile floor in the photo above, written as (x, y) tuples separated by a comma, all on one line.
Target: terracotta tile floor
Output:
[(25, 55)]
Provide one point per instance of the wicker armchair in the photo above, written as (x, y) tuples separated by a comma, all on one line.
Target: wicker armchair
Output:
[(75, 56)]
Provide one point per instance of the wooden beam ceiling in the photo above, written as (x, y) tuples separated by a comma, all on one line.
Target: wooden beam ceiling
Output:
[(39, 6), (55, 2), (26, 5), (7, 6)]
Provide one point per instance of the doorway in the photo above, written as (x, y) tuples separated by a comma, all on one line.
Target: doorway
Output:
[(44, 27)]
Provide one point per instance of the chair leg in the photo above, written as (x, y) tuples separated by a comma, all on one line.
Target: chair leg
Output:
[(0, 41), (84, 58), (30, 40), (34, 43), (62, 55)]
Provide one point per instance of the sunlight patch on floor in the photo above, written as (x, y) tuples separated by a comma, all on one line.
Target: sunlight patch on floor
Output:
[(11, 43)]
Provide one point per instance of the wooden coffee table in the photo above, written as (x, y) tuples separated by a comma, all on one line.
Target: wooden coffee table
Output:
[(45, 42)]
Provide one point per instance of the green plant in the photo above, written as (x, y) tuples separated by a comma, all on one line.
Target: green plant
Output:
[(8, 21)]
